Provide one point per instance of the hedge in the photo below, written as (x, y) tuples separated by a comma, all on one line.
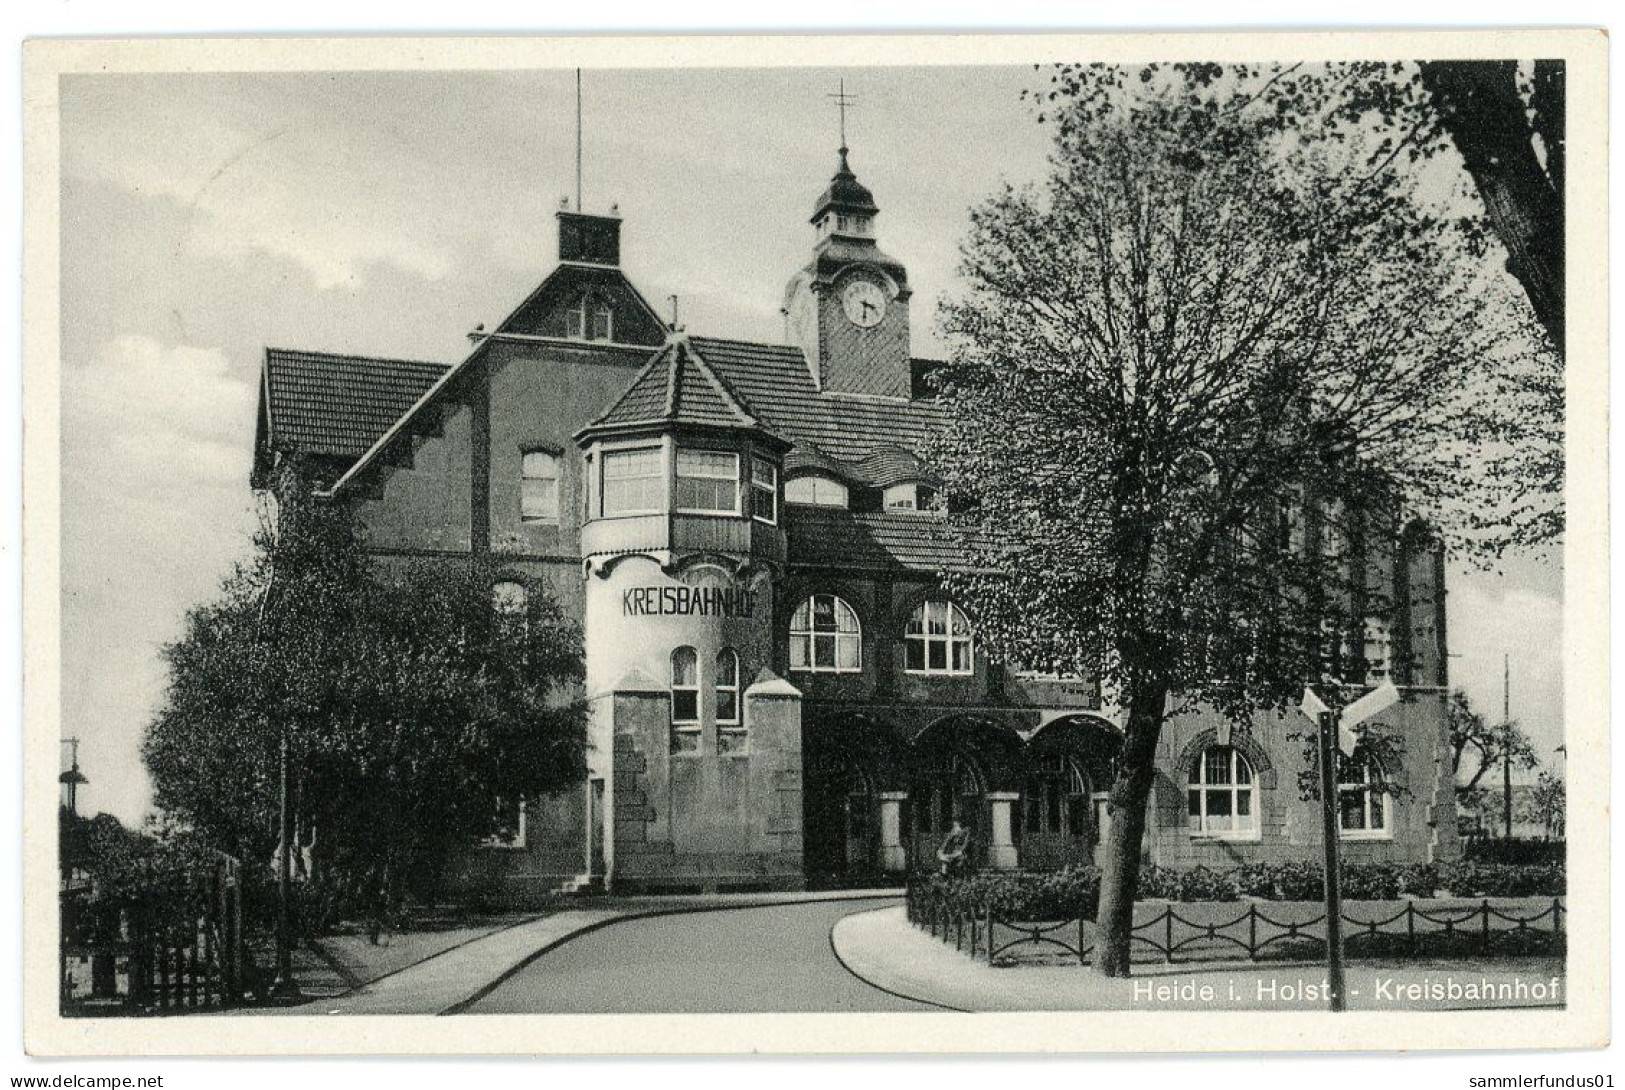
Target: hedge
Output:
[(1075, 891)]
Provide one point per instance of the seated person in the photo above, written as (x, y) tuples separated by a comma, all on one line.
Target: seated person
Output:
[(953, 855)]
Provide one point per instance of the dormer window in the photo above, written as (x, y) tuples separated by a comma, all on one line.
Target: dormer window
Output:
[(912, 497), (817, 492), (589, 320)]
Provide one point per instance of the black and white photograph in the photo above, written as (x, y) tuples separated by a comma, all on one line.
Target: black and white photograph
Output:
[(701, 530)]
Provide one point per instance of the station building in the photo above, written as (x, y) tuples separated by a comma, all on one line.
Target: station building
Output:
[(781, 694)]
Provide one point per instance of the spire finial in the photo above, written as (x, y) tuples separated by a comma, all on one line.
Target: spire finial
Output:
[(842, 101)]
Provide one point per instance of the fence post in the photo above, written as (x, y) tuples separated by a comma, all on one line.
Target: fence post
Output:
[(1484, 910), (1252, 932), (1557, 916), (1410, 927), (1167, 935), (1082, 958)]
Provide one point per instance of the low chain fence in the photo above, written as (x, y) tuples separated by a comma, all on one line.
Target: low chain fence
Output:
[(1210, 931)]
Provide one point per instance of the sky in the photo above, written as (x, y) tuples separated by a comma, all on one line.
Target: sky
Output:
[(208, 216)]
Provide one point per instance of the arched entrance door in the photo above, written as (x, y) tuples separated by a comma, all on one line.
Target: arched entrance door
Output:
[(1067, 769), (948, 789), (1055, 821), (840, 832)]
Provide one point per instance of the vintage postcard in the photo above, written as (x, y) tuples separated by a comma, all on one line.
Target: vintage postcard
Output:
[(816, 544)]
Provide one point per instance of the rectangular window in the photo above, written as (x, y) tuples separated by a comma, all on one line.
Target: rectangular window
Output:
[(509, 830), (1378, 649), (708, 482), (602, 324), (539, 487), (633, 482), (764, 490)]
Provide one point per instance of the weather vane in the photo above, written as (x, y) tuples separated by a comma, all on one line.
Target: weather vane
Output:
[(842, 101)]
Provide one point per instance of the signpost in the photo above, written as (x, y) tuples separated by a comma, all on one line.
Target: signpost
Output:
[(1329, 833), (1335, 734)]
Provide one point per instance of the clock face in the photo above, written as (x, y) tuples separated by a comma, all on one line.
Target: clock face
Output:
[(864, 302)]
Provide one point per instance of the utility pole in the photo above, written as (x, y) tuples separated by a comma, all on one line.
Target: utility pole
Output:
[(1506, 754)]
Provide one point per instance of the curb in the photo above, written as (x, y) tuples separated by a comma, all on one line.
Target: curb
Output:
[(462, 1005)]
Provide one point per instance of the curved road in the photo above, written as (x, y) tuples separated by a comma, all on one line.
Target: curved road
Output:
[(770, 959)]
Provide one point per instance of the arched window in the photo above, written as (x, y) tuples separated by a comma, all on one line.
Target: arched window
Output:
[(509, 598), (1363, 804), (825, 636), (727, 686), (938, 640), (539, 486), (817, 491), (685, 699), (1057, 798), (1223, 795)]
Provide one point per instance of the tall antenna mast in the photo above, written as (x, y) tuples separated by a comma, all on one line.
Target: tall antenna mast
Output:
[(1506, 755), (578, 139)]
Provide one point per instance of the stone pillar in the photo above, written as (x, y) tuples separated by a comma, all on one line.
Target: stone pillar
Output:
[(1001, 849), (893, 856)]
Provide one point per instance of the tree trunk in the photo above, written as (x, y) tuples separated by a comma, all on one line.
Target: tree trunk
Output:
[(1131, 792), (1481, 109)]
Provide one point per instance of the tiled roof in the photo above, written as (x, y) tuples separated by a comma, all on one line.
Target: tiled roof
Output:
[(835, 537), (677, 386), (321, 403), (806, 456), (773, 380), (892, 465)]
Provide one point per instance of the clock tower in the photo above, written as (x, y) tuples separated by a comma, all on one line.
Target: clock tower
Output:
[(847, 310)]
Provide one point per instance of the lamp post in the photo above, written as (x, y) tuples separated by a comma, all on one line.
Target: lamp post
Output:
[(284, 988)]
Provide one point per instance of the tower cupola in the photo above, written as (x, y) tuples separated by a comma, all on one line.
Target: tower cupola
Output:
[(846, 208)]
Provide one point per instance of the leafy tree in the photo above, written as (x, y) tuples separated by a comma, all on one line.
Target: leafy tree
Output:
[(1195, 379), (1478, 746), (1546, 805), (1506, 122), (411, 704), (1498, 125)]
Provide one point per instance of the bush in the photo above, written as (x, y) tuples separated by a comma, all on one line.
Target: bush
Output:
[(1504, 879), (1075, 891), (1064, 894), (1201, 884), (1515, 851), (1292, 881), (1157, 883)]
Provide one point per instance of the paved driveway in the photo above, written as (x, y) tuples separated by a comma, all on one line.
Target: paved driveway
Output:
[(755, 960)]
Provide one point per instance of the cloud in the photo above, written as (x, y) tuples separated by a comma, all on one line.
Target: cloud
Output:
[(281, 184), (157, 440), (155, 411)]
